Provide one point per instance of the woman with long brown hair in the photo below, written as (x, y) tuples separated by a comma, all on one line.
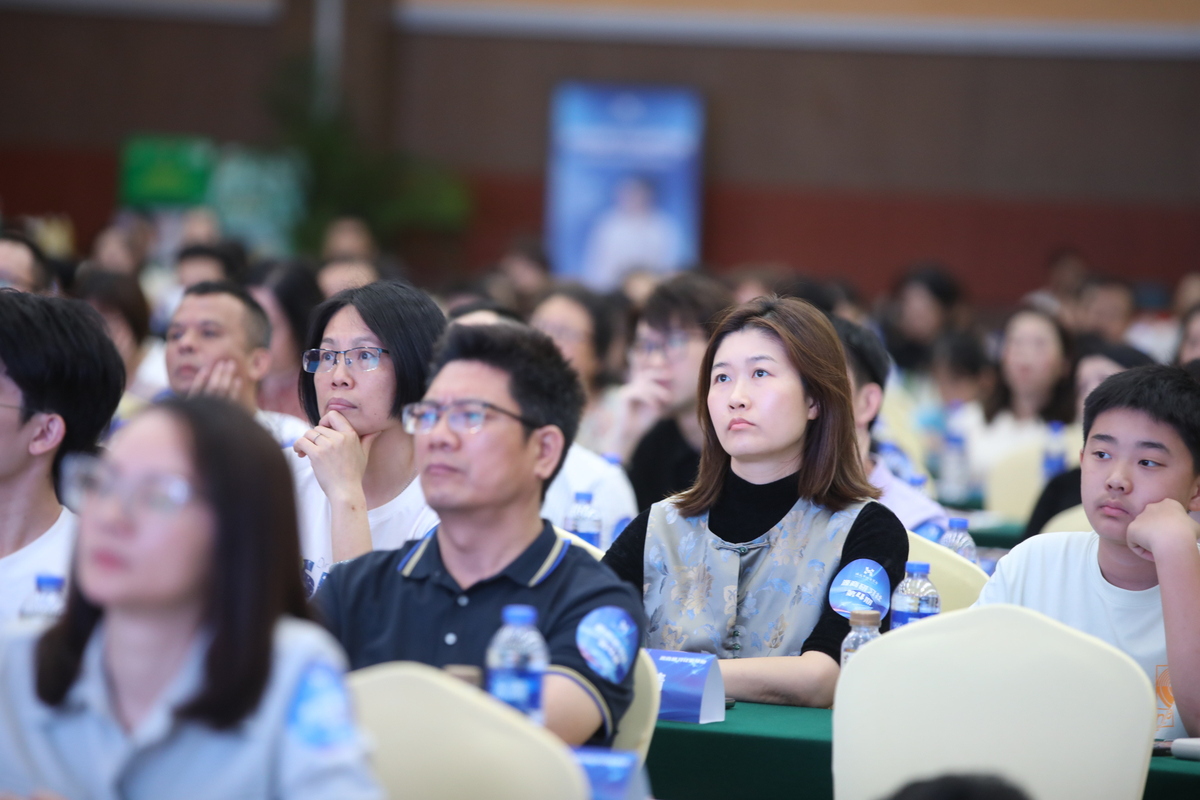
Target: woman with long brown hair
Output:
[(740, 564)]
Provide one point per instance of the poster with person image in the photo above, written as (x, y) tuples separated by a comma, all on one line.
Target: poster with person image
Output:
[(623, 191)]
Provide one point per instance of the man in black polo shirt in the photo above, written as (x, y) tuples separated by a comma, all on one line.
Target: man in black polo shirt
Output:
[(501, 411)]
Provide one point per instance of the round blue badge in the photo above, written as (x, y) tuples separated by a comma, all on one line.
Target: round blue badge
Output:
[(320, 714), (861, 585), (607, 639)]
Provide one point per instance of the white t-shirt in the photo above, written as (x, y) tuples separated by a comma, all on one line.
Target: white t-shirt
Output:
[(403, 518), (612, 493), (1059, 575), (49, 554), (284, 428)]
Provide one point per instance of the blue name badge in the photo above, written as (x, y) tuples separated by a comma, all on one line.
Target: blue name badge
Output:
[(861, 585), (612, 774), (692, 687)]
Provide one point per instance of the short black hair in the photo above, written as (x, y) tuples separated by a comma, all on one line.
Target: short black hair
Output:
[(294, 285), (255, 576), (258, 324), (58, 354), (935, 277), (690, 300), (408, 324), (542, 383), (42, 273), (116, 293), (229, 254), (962, 353), (1127, 356), (1169, 395), (865, 354)]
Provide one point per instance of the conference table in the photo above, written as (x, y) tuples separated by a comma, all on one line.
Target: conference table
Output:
[(779, 751)]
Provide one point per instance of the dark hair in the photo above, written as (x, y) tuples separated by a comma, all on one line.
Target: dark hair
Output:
[(865, 354), (117, 294), (407, 322), (258, 324), (1170, 395), (962, 353), (598, 310), (960, 787), (1060, 406), (936, 279), (58, 354), (42, 274), (540, 380), (1095, 282), (229, 254), (254, 576), (1128, 357), (295, 287), (689, 300), (831, 472)]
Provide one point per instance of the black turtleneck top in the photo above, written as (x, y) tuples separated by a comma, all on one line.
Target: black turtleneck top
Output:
[(744, 511)]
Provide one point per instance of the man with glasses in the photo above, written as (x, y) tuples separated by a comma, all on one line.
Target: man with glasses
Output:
[(501, 410), (655, 431), (60, 381), (218, 343)]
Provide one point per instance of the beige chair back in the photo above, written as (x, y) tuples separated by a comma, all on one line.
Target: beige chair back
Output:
[(437, 738), (957, 580), (1073, 519), (1012, 487), (1001, 690)]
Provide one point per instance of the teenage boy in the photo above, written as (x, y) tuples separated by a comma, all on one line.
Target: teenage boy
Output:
[(1134, 580), (60, 381), (501, 410)]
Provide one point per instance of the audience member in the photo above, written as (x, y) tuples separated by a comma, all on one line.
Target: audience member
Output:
[(925, 302), (1097, 361), (1189, 336), (525, 267), (60, 382), (962, 371), (1066, 271), (22, 264), (1134, 579), (1106, 308), (491, 431), (349, 238), (288, 292), (740, 565), (356, 487), (867, 367), (342, 273), (219, 343), (183, 662), (1034, 387), (655, 431)]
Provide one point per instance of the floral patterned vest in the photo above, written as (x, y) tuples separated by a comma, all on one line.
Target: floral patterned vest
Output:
[(761, 598)]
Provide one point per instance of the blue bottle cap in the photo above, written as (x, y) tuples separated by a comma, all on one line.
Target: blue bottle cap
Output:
[(583, 497), (917, 567), (49, 583), (519, 615), (1056, 426), (958, 523)]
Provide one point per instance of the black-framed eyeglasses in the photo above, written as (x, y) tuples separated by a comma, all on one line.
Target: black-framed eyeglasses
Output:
[(361, 359), (463, 416)]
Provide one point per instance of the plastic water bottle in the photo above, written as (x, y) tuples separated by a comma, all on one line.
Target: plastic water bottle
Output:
[(954, 481), (958, 539), (930, 530), (516, 661), (915, 598), (583, 519), (47, 602), (1054, 459), (864, 627)]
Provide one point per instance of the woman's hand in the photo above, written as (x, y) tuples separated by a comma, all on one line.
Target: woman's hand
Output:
[(338, 455), (639, 405)]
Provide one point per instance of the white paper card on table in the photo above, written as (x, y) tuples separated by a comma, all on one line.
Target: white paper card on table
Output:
[(692, 687)]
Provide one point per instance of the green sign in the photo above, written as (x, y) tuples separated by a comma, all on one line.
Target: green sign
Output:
[(166, 170)]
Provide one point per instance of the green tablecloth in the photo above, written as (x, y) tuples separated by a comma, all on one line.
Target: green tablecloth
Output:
[(769, 751)]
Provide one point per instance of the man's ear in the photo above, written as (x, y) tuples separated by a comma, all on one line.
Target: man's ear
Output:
[(259, 364), (1193, 503), (49, 430), (550, 443)]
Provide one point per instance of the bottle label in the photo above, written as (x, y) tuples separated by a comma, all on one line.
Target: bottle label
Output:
[(901, 618), (520, 688), (591, 538)]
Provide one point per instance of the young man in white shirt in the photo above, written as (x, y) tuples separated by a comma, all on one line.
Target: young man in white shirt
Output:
[(218, 343), (60, 381), (1134, 580)]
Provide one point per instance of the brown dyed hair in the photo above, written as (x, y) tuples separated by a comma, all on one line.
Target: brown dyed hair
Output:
[(831, 472)]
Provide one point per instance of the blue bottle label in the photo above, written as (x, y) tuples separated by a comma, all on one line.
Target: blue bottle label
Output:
[(520, 688), (901, 618), (591, 538)]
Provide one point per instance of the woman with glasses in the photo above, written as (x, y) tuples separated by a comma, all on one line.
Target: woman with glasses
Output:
[(184, 663), (368, 356), (741, 564)]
